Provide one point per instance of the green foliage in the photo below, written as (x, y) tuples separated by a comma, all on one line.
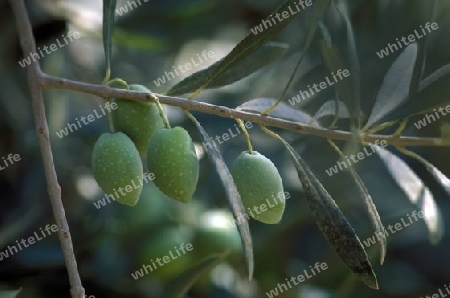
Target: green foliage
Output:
[(259, 184), (116, 165), (171, 157)]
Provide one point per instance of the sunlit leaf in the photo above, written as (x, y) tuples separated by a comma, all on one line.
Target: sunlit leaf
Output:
[(395, 88), (416, 191)]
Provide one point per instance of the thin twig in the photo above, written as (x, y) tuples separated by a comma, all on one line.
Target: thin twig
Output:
[(107, 92), (34, 74)]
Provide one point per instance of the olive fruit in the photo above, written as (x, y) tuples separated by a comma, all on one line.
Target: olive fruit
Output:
[(138, 120), (117, 167), (259, 184), (171, 158)]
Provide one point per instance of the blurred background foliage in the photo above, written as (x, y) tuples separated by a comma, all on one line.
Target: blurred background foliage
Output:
[(116, 240)]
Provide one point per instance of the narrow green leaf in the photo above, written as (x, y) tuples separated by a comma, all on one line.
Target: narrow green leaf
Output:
[(329, 109), (181, 285), (232, 193), (445, 133), (333, 223), (395, 88), (355, 69), (422, 54), (436, 75), (372, 212), (416, 191), (282, 111), (263, 56), (109, 9), (370, 205), (334, 62), (10, 294), (249, 44)]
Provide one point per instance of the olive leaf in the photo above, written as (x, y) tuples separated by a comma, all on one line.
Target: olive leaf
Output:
[(373, 213), (445, 133), (265, 55), (10, 294), (333, 223), (395, 88), (282, 111), (432, 93), (248, 45), (329, 109), (370, 205), (232, 193), (109, 7), (355, 69), (181, 285), (334, 62), (416, 191)]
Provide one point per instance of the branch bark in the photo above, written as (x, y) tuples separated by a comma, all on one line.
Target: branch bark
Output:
[(34, 81), (108, 92)]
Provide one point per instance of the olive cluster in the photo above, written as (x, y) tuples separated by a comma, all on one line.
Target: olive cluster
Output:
[(140, 132)]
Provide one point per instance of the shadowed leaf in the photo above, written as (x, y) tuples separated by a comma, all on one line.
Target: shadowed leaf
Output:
[(10, 294), (248, 45), (282, 111), (265, 55), (332, 223), (329, 109), (232, 193), (109, 7), (181, 285)]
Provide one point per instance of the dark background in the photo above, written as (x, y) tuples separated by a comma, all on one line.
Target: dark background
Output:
[(113, 242)]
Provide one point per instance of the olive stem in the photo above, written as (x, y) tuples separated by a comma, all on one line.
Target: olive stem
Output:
[(246, 134), (117, 81), (35, 75), (48, 81), (162, 114)]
